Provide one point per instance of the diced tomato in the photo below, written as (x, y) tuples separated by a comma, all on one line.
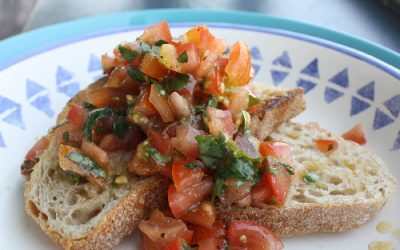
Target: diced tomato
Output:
[(234, 194), (110, 143), (105, 96), (262, 192), (74, 134), (76, 115), (279, 150), (102, 127), (204, 215), (220, 121), (210, 244), (356, 134), (161, 105), (185, 141), (151, 67), (148, 244), (326, 145), (168, 57), (176, 244), (193, 57), (218, 46), (248, 144), (184, 177), (97, 154), (187, 90), (180, 201), (207, 66), (159, 142), (200, 36), (239, 65), (140, 163), (157, 32), (201, 233), (143, 105), (213, 85), (38, 148), (116, 77), (162, 230), (249, 235), (238, 101), (108, 63)]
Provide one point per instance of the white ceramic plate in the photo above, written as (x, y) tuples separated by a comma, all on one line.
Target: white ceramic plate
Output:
[(343, 87)]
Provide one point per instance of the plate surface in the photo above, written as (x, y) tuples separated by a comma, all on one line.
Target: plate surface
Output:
[(343, 87)]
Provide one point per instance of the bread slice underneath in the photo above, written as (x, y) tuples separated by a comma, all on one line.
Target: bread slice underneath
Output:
[(354, 185)]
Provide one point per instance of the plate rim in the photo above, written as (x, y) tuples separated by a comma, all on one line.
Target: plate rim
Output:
[(16, 48)]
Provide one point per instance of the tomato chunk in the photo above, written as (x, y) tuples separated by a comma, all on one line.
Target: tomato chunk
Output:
[(151, 67), (185, 141), (180, 201), (159, 142), (76, 115), (203, 215), (356, 134), (326, 145), (37, 149), (161, 104), (184, 177), (249, 235), (157, 32), (239, 65), (220, 121), (177, 244), (279, 150), (193, 57), (97, 154), (201, 233)]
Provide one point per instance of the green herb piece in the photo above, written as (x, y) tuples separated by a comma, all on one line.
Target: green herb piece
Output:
[(218, 188), (161, 90), (193, 165), (120, 127), (60, 124), (65, 136), (246, 121), (185, 246), (160, 42), (100, 129), (175, 83), (183, 58), (212, 101), (274, 160), (198, 109), (137, 75), (253, 101), (271, 170), (311, 177), (182, 120), (144, 46), (88, 106), (93, 116), (86, 163), (155, 155), (128, 54), (74, 178)]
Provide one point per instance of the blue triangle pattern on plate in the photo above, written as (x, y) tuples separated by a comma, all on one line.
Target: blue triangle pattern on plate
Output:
[(341, 78), (358, 105), (33, 88), (393, 105), (311, 69), (396, 144), (43, 104), (283, 60), (332, 94), (367, 91), (307, 85), (94, 63), (278, 76), (70, 90), (63, 75), (256, 68), (2, 143), (14, 117), (255, 53), (381, 119)]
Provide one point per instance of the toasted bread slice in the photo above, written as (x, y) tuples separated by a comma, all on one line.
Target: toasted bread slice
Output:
[(354, 185), (86, 217)]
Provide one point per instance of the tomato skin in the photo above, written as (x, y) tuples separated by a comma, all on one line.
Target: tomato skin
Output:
[(151, 67), (116, 77), (157, 32), (326, 145), (143, 105), (239, 65), (161, 105), (176, 244), (204, 215), (38, 148), (279, 150), (210, 244), (184, 177), (185, 141), (220, 121), (76, 115), (159, 142), (105, 96), (180, 201), (74, 134), (201, 233), (243, 235), (193, 57), (355, 134), (262, 192)]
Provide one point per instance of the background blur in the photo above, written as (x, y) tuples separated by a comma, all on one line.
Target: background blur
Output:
[(375, 20)]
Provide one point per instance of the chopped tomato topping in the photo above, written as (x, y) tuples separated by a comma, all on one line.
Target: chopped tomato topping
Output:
[(76, 115), (151, 67), (239, 65), (176, 244), (193, 57), (185, 141), (184, 177), (326, 146), (356, 134), (158, 141), (156, 33), (220, 121), (116, 77), (105, 96), (161, 104), (249, 235), (202, 233), (143, 105), (238, 101), (204, 215), (37, 149)]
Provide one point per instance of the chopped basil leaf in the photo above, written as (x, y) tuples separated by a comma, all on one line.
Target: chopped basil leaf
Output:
[(212, 101), (120, 127), (253, 101), (88, 106), (193, 165), (160, 42), (218, 188), (271, 170), (183, 58), (85, 162), (161, 90), (198, 109), (157, 156), (136, 74), (175, 83), (185, 246), (128, 54), (92, 118), (274, 160), (311, 177), (60, 124), (100, 129), (65, 136)]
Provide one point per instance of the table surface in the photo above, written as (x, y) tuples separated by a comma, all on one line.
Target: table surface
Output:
[(368, 19)]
